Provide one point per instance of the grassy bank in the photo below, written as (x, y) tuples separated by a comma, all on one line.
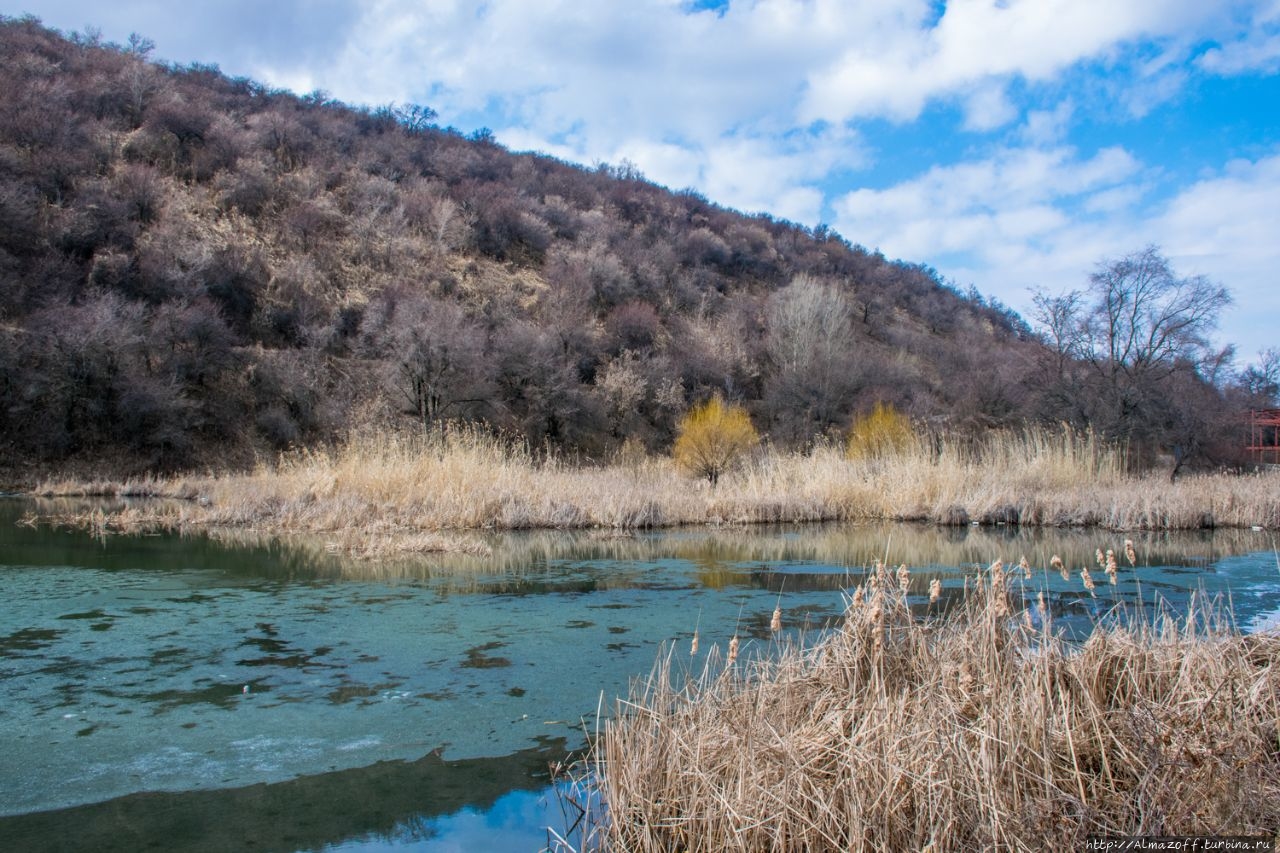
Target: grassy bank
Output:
[(973, 731), (378, 489)]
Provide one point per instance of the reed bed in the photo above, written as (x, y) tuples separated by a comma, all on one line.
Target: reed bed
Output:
[(463, 478), (964, 732)]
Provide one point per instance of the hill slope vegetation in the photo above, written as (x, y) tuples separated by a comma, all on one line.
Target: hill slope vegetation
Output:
[(196, 270)]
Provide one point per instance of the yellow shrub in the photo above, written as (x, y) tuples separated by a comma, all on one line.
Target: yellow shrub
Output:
[(883, 432), (712, 437)]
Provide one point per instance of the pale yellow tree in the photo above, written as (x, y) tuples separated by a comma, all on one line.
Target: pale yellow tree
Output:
[(883, 432), (713, 437)]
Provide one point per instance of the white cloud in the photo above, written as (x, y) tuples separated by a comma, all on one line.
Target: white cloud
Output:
[(1043, 218), (1048, 127), (1016, 195), (1256, 49), (1225, 227), (988, 108), (896, 75)]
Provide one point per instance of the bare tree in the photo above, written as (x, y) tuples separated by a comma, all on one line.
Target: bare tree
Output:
[(1145, 320), (1121, 342), (809, 344), (439, 359), (1261, 381)]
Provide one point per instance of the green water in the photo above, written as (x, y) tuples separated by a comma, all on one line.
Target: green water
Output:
[(160, 692)]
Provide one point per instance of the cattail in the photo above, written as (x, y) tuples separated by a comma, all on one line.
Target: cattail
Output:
[(1102, 561), (858, 597), (1041, 607), (1130, 554), (904, 578), (1025, 566), (1057, 563), (997, 575), (693, 646), (775, 624), (733, 651), (935, 590), (1087, 579), (1111, 566)]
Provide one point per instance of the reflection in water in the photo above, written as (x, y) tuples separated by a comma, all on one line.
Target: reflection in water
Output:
[(299, 690), (724, 555), (387, 804)]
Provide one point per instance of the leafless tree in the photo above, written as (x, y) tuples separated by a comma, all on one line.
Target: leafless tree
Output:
[(810, 346), (1121, 342), (439, 358), (1261, 381)]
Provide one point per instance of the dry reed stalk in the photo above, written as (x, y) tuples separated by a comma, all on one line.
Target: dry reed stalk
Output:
[(1087, 579), (462, 477), (914, 736)]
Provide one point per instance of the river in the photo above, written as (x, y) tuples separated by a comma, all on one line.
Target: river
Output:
[(168, 692)]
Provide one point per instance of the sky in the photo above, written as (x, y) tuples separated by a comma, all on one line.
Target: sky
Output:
[(1012, 145)]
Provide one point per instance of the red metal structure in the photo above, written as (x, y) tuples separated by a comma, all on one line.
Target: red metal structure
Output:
[(1264, 436)]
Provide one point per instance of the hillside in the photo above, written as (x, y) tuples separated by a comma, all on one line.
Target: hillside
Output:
[(195, 270)]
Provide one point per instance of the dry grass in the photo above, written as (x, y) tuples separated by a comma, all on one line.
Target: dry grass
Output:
[(967, 732), (382, 486)]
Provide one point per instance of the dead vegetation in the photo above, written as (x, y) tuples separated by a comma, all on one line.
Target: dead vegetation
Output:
[(380, 487), (965, 731)]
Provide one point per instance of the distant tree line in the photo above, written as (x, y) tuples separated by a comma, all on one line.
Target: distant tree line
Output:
[(197, 270)]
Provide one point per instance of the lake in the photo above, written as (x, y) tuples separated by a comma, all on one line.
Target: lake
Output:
[(167, 692)]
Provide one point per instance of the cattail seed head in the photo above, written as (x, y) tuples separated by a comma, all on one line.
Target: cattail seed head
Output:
[(775, 624), (904, 578), (1057, 563), (733, 651), (1087, 579), (693, 646), (1025, 566), (1129, 553), (935, 590), (1102, 561)]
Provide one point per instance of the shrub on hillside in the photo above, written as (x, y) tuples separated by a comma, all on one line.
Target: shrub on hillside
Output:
[(713, 437), (883, 432)]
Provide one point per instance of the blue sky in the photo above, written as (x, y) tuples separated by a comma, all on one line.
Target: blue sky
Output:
[(1010, 144)]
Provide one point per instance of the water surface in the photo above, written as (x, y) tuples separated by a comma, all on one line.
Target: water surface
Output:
[(161, 692)]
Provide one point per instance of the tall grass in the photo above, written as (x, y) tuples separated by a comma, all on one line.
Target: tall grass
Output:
[(972, 731), (382, 485)]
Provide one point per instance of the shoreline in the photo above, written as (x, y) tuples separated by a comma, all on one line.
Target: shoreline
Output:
[(394, 494)]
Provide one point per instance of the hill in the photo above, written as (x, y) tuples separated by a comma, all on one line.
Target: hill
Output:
[(196, 269)]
